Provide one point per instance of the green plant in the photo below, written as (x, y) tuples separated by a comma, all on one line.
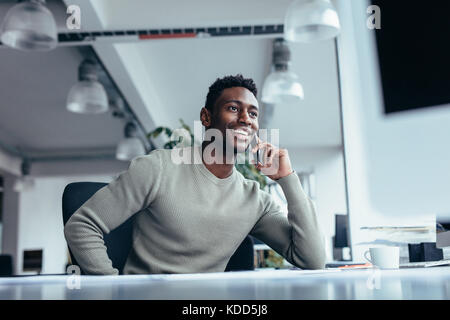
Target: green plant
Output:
[(246, 169), (274, 260)]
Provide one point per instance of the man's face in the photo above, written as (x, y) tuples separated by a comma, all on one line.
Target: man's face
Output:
[(237, 110)]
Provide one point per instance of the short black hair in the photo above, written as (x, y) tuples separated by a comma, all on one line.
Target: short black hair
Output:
[(215, 90)]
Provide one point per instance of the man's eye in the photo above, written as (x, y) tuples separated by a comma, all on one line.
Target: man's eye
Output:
[(254, 114), (233, 108)]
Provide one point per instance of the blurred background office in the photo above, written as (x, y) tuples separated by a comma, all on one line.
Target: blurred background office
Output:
[(77, 103)]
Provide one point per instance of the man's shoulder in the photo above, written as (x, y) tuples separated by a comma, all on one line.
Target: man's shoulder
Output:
[(155, 154), (152, 159), (166, 157), (161, 153)]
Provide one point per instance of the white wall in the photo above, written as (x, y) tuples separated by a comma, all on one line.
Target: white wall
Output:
[(367, 144), (327, 163), (351, 97), (41, 224), (33, 219)]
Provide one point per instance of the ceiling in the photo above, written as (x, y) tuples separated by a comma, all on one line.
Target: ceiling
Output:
[(119, 14), (33, 91), (33, 97), (162, 80)]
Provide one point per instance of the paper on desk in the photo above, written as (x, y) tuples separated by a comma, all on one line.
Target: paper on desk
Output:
[(391, 231), (396, 230)]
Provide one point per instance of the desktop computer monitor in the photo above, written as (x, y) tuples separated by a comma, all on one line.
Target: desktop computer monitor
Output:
[(405, 122)]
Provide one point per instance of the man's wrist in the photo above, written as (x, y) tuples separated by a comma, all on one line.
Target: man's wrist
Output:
[(285, 175)]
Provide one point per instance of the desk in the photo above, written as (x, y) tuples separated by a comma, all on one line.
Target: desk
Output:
[(414, 283)]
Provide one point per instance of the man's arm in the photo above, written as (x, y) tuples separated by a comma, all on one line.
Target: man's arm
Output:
[(297, 238), (108, 208)]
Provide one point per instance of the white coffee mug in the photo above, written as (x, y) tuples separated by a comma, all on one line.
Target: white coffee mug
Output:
[(384, 257)]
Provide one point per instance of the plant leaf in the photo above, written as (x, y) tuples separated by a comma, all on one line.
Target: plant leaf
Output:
[(157, 132)]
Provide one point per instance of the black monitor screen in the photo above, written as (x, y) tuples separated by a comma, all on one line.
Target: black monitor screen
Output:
[(414, 53)]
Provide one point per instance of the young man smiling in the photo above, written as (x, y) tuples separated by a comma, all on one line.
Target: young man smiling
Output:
[(191, 217)]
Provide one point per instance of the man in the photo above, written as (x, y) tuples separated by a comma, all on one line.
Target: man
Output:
[(193, 216)]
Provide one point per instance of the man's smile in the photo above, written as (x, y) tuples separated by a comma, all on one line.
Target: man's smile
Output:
[(241, 134)]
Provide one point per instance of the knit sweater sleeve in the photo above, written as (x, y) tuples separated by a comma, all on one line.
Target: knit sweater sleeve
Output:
[(296, 237), (132, 191)]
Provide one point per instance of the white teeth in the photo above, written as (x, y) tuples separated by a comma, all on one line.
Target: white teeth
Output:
[(241, 132)]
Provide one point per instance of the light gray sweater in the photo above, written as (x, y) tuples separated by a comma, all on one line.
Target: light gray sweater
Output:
[(190, 221)]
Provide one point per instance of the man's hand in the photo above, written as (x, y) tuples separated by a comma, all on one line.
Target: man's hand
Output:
[(275, 162)]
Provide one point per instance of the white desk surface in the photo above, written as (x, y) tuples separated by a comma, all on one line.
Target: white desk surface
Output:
[(414, 283)]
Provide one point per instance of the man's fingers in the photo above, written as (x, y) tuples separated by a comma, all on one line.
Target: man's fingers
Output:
[(271, 157), (261, 145), (275, 153), (267, 153), (257, 146), (267, 163)]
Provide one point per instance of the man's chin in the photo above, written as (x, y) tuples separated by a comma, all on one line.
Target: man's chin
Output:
[(241, 148), (238, 147)]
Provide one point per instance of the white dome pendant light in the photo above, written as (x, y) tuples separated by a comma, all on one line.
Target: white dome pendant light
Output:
[(311, 20), (131, 146), (88, 95), (29, 25), (281, 86)]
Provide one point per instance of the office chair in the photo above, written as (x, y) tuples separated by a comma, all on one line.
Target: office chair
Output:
[(118, 242)]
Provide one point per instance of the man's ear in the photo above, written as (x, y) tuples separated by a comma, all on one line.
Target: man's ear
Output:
[(205, 117)]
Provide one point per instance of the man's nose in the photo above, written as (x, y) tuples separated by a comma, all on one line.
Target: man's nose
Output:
[(244, 118)]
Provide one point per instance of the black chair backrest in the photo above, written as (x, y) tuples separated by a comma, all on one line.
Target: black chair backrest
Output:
[(243, 257), (119, 241)]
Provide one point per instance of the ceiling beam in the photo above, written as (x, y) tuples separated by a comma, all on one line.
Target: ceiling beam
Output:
[(10, 163), (133, 35), (125, 66)]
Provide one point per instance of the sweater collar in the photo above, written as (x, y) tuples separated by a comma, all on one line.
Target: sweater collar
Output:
[(198, 163)]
